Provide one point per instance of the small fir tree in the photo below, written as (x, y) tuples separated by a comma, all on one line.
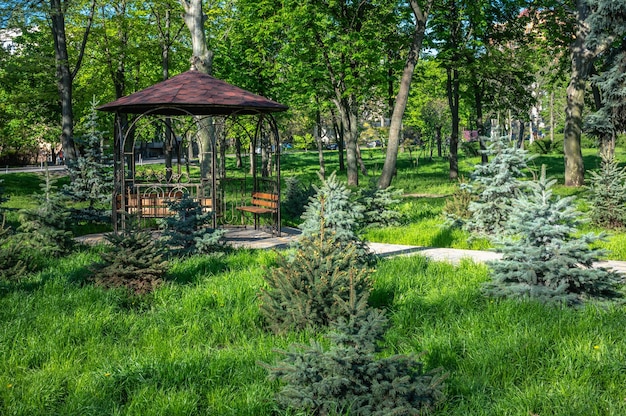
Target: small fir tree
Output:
[(332, 206), (456, 209), (495, 184), (349, 378), (608, 193), (92, 174), (186, 232), (306, 291), (379, 206), (296, 197), (546, 260), (46, 228), (134, 260), (13, 255)]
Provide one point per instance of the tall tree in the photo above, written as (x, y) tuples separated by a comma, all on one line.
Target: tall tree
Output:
[(565, 24), (65, 74), (395, 129), (201, 60)]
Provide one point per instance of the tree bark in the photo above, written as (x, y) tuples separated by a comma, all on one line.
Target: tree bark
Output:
[(201, 60), (581, 62), (453, 102), (65, 76), (395, 128)]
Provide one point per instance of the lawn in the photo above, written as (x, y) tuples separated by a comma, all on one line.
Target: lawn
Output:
[(193, 346)]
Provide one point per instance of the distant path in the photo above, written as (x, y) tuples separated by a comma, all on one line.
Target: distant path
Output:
[(260, 240), (63, 168)]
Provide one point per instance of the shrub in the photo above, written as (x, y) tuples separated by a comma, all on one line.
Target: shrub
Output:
[(608, 193), (46, 227), (92, 174), (456, 209), (333, 209), (349, 378), (133, 260), (379, 205), (186, 232), (545, 259), (305, 292), (495, 184), (12, 255), (296, 197)]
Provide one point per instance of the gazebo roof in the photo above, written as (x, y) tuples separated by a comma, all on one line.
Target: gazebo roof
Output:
[(194, 93)]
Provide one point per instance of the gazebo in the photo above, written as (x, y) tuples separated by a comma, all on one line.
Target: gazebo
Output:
[(201, 120)]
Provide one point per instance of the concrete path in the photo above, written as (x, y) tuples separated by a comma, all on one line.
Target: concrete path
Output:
[(261, 240)]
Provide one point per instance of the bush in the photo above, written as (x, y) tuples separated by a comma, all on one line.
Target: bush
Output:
[(545, 259), (296, 197), (187, 232), (349, 378), (305, 292), (333, 209), (379, 206), (134, 260), (456, 209), (608, 194)]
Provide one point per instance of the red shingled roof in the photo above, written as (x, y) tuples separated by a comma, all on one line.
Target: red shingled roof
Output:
[(196, 93)]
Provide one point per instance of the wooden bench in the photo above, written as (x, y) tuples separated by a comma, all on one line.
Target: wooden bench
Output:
[(154, 206), (261, 203)]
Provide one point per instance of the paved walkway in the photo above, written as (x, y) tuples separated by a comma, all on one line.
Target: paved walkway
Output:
[(250, 238)]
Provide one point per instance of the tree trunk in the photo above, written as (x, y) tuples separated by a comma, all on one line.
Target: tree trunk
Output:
[(480, 125), (453, 102), (339, 139), (574, 167), (201, 60), (395, 128), (64, 80), (318, 140), (349, 117)]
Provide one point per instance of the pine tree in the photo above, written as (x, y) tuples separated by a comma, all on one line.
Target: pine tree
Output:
[(46, 228), (495, 184), (134, 259), (305, 292), (379, 206), (186, 232), (92, 174), (456, 209), (13, 255), (332, 206), (608, 193), (349, 378), (546, 260), (296, 197)]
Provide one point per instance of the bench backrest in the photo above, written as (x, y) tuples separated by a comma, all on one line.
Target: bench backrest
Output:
[(266, 200)]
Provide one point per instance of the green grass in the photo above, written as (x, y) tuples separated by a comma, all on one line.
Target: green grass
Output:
[(192, 347)]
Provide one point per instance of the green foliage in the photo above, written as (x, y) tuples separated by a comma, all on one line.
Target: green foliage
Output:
[(92, 174), (546, 146), (456, 209), (608, 193), (186, 232), (12, 255), (380, 206), (296, 197), (495, 184), (546, 260), (134, 260), (306, 291), (349, 378), (46, 227), (333, 209)]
